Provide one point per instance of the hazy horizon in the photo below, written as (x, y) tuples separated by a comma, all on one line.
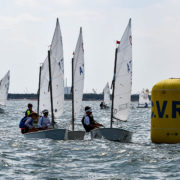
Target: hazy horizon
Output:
[(27, 27)]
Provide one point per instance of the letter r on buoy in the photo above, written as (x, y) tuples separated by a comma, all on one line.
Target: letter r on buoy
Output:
[(175, 108)]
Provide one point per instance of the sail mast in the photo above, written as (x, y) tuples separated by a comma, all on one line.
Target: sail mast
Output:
[(72, 89), (113, 87), (50, 85), (39, 89)]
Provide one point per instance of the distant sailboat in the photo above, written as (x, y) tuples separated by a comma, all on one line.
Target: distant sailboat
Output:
[(4, 88), (106, 102), (122, 83), (144, 99), (51, 88), (77, 85)]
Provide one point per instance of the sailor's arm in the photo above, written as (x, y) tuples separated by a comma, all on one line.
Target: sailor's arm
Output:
[(27, 123), (40, 122), (98, 124)]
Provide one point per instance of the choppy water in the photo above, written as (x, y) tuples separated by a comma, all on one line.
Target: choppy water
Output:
[(22, 158)]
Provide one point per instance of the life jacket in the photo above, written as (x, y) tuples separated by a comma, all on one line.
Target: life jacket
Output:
[(43, 124), (22, 122), (88, 128), (28, 112)]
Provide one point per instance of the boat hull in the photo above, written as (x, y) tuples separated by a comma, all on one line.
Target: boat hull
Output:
[(104, 107), (76, 135), (112, 134), (143, 107), (56, 134), (107, 107)]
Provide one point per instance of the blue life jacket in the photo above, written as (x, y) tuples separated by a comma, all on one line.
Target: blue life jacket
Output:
[(22, 122)]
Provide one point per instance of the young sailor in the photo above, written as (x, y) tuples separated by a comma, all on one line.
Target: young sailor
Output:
[(29, 110), (102, 105), (32, 122), (88, 121), (44, 121), (146, 105)]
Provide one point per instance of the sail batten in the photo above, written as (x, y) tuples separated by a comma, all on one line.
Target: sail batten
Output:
[(123, 76), (57, 76), (78, 75), (4, 88)]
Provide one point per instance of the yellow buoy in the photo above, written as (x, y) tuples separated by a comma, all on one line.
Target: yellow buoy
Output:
[(165, 111)]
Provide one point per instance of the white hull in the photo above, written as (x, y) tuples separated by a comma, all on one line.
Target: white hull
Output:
[(112, 134), (56, 134), (76, 135)]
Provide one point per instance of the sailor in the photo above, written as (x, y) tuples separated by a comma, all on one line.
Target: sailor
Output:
[(88, 121), (146, 105), (29, 110), (102, 105), (44, 121), (32, 122)]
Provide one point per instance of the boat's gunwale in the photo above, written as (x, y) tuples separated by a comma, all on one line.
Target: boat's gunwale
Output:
[(43, 131)]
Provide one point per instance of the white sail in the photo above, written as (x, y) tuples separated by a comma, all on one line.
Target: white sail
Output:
[(106, 92), (123, 76), (144, 97), (57, 73), (44, 96), (4, 88), (78, 74)]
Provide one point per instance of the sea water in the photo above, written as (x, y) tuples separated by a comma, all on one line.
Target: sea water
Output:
[(22, 158)]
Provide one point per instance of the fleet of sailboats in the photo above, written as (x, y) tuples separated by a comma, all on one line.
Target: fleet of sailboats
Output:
[(51, 89), (4, 88), (122, 84)]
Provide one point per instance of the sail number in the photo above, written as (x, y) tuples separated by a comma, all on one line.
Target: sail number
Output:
[(120, 108)]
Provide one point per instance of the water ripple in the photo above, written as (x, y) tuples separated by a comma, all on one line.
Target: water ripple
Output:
[(21, 158)]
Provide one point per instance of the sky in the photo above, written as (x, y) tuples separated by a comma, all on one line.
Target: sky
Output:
[(27, 27)]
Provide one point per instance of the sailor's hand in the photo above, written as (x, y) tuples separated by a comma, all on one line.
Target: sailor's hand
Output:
[(99, 124)]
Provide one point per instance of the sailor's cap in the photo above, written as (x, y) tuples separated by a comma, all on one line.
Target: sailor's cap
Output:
[(88, 109), (45, 111)]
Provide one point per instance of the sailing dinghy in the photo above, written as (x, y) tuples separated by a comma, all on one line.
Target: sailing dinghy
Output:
[(106, 103), (77, 85), (144, 99), (122, 83), (4, 88), (51, 88)]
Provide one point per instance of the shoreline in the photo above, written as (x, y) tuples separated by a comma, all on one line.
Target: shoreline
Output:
[(86, 97)]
